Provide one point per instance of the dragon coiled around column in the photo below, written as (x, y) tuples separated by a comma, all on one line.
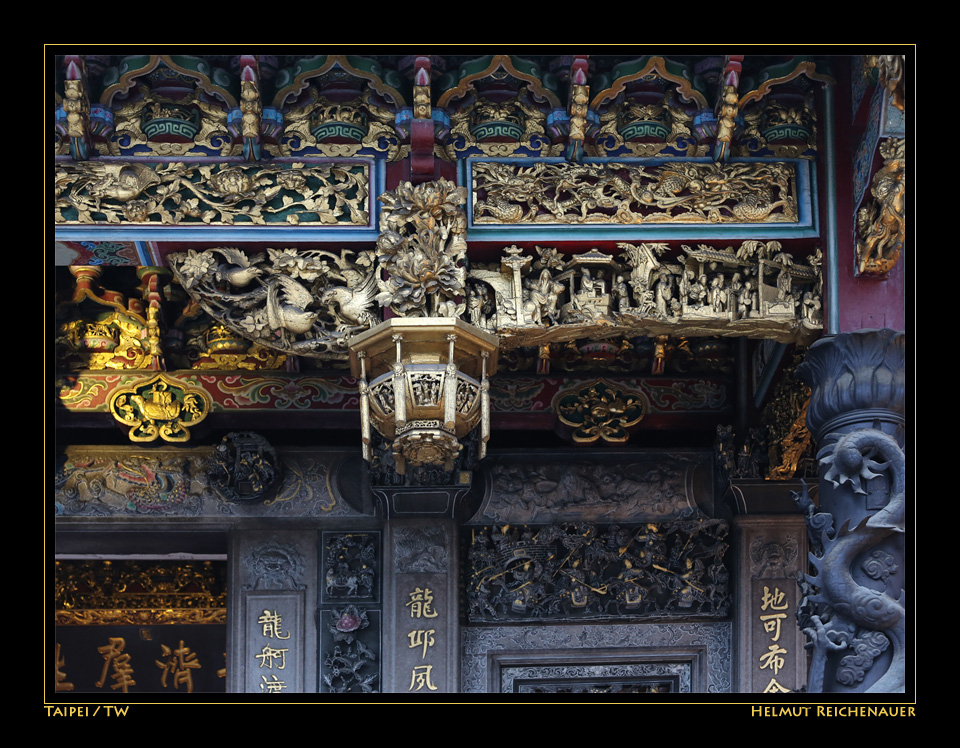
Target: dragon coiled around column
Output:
[(854, 458)]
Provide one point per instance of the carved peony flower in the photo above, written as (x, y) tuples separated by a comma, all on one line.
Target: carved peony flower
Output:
[(137, 211), (292, 180), (232, 184), (347, 623), (195, 267)]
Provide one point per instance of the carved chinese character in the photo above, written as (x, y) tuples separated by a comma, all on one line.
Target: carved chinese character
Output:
[(269, 655), (421, 638), (272, 686), (122, 669), (421, 604), (772, 658), (775, 600), (271, 625), (420, 677), (178, 663)]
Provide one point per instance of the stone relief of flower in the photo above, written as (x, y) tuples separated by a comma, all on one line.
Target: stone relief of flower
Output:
[(346, 624)]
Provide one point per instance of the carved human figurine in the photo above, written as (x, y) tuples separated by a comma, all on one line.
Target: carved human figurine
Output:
[(698, 291), (475, 302), (784, 285), (686, 284), (811, 309), (746, 300), (664, 290), (548, 292), (623, 294), (733, 296), (718, 296), (587, 285)]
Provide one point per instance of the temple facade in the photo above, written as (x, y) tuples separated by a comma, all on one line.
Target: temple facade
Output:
[(434, 375)]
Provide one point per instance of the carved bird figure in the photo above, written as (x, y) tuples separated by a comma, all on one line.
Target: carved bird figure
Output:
[(239, 269), (354, 304), (121, 182), (287, 303)]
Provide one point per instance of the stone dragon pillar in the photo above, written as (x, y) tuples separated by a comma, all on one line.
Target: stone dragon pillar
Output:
[(853, 612)]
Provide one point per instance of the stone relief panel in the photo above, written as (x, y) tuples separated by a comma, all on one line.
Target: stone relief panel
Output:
[(635, 487), (420, 549), (121, 481), (273, 566), (577, 570), (349, 615), (630, 678)]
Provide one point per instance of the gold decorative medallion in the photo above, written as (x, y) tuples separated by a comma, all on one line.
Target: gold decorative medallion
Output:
[(161, 408), (601, 410)]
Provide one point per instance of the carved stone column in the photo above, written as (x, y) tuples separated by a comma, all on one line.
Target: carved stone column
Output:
[(272, 637), (770, 549), (854, 608), (421, 629)]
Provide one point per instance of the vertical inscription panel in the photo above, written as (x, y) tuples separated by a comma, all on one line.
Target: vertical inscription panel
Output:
[(422, 633), (273, 623), (772, 658), (777, 662), (421, 608)]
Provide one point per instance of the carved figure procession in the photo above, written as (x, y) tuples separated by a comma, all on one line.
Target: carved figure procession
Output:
[(756, 290)]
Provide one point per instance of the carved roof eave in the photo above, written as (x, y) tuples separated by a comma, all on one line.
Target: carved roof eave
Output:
[(362, 67), (707, 254), (174, 62), (488, 65), (643, 66), (782, 74)]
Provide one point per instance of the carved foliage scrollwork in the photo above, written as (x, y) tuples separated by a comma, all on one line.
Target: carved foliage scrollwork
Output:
[(601, 410), (203, 194), (626, 193)]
